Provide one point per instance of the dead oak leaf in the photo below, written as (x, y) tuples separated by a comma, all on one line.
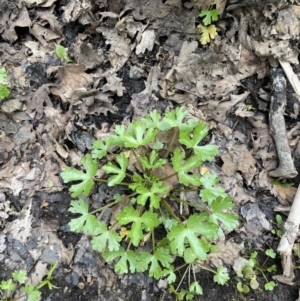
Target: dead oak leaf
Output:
[(100, 103), (83, 53), (147, 42), (72, 77), (203, 4), (120, 47), (239, 159), (76, 9), (129, 25), (287, 26), (44, 35), (227, 252), (11, 21), (12, 105), (114, 84), (144, 9), (286, 192)]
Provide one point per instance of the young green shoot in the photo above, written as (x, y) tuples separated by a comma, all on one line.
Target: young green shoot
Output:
[(9, 287), (62, 53), (4, 91)]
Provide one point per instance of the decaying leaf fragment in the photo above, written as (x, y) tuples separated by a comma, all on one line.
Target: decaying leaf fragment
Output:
[(143, 9), (114, 84), (73, 77), (76, 10), (10, 21), (287, 24), (84, 54), (220, 4), (147, 42), (239, 159), (120, 48), (20, 229)]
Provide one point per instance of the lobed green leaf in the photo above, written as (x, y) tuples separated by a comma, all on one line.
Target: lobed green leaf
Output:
[(160, 258), (120, 173), (7, 285), (155, 192), (211, 192), (209, 15), (152, 162), (229, 220), (148, 221), (185, 239), (32, 292), (125, 258), (222, 275), (101, 147), (19, 276), (72, 174), (86, 222)]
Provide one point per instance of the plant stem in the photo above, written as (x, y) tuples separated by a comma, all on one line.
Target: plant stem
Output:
[(138, 161), (182, 266), (114, 224), (153, 241), (171, 143), (177, 288), (113, 203), (263, 274), (167, 206), (194, 274), (129, 245), (200, 208), (185, 190), (204, 267), (169, 176), (105, 181)]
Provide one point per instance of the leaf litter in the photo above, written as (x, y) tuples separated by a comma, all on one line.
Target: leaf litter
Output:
[(132, 57)]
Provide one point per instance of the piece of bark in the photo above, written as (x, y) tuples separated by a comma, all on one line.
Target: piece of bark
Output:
[(286, 168)]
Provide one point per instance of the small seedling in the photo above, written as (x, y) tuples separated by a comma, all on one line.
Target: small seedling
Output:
[(208, 30), (210, 15), (33, 293), (62, 53), (252, 269), (4, 91), (278, 225), (155, 160)]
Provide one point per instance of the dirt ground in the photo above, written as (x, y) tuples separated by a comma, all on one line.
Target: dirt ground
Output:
[(128, 58)]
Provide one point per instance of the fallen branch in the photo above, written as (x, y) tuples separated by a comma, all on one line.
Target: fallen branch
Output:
[(285, 247), (286, 168)]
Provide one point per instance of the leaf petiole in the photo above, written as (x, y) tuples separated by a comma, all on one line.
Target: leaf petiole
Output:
[(200, 208), (113, 203), (171, 143), (169, 176), (105, 181), (169, 209)]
